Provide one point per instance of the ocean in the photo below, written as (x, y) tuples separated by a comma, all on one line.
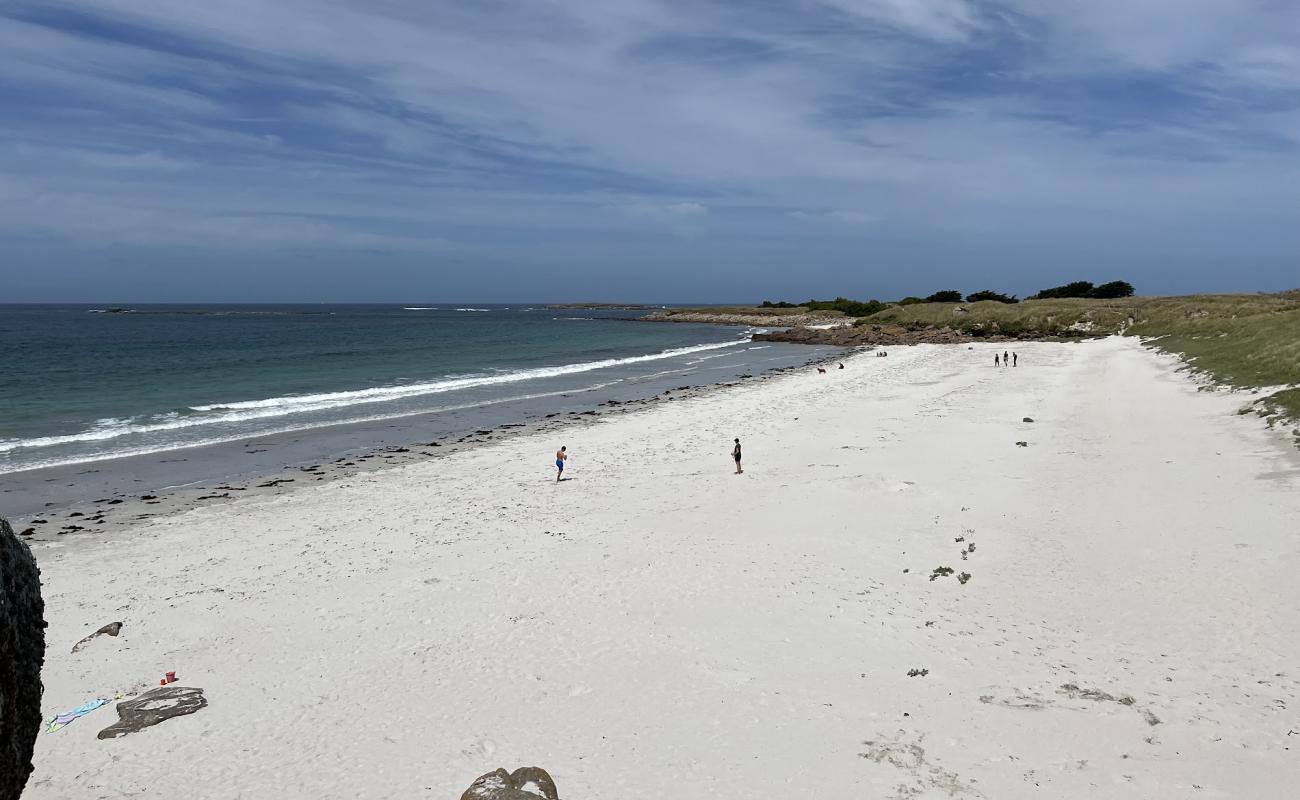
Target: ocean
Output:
[(81, 384)]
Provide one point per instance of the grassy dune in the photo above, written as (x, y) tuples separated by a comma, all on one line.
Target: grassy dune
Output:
[(1241, 340)]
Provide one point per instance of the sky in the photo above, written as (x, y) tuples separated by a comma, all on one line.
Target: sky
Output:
[(644, 150)]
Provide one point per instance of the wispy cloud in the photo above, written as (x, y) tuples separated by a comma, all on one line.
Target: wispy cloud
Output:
[(412, 125)]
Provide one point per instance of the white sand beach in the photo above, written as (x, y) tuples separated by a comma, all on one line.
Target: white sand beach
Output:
[(657, 627)]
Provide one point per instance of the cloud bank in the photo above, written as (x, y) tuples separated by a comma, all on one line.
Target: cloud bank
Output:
[(698, 148)]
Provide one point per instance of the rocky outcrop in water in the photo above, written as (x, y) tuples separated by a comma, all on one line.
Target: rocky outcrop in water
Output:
[(525, 783), (22, 652)]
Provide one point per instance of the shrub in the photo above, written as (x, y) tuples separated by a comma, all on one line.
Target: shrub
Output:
[(988, 294), (910, 301), (1012, 327), (1112, 290), (946, 296), (851, 308), (1076, 289)]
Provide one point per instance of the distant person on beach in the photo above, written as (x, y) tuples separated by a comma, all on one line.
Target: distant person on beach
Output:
[(996, 362), (560, 456), (1015, 359), (735, 454), (841, 366), (1006, 359)]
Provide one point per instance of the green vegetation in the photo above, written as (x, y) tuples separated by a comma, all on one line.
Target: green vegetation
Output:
[(989, 294), (946, 296), (852, 308), (1107, 291)]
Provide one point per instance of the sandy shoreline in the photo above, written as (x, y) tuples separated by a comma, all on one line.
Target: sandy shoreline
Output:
[(81, 500), (657, 627)]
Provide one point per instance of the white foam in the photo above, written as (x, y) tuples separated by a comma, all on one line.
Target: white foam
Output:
[(246, 410), (144, 450)]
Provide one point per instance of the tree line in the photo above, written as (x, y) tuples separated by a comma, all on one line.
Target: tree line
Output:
[(859, 308)]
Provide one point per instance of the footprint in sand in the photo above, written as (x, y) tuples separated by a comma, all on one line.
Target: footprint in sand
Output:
[(479, 750)]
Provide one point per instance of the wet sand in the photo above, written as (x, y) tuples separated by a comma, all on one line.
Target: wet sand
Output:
[(107, 495)]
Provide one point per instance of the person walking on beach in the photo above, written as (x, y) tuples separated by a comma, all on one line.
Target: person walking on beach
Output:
[(561, 456), (996, 362), (1006, 359), (735, 454), (1015, 359)]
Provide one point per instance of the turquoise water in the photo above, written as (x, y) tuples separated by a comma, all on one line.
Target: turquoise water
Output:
[(79, 383)]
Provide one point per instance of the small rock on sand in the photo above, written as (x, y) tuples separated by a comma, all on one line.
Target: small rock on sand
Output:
[(111, 629), (525, 783)]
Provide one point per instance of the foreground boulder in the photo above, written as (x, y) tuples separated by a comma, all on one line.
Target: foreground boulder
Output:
[(525, 783), (22, 651)]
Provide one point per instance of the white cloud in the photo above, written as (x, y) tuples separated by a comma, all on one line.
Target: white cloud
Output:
[(853, 217), (944, 20), (620, 116)]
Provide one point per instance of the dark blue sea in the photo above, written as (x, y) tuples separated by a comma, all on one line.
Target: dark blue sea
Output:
[(81, 383)]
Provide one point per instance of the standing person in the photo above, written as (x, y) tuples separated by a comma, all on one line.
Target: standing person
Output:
[(561, 456), (996, 362), (1006, 358), (1015, 359), (735, 454)]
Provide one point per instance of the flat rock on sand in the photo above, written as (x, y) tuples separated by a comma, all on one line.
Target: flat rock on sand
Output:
[(152, 707)]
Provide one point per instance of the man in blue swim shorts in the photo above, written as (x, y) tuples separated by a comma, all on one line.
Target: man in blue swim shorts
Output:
[(560, 456)]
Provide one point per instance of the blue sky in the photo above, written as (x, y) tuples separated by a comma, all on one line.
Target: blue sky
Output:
[(244, 150)]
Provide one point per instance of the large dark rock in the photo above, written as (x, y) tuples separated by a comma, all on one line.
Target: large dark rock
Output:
[(152, 707), (525, 783), (22, 651)]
